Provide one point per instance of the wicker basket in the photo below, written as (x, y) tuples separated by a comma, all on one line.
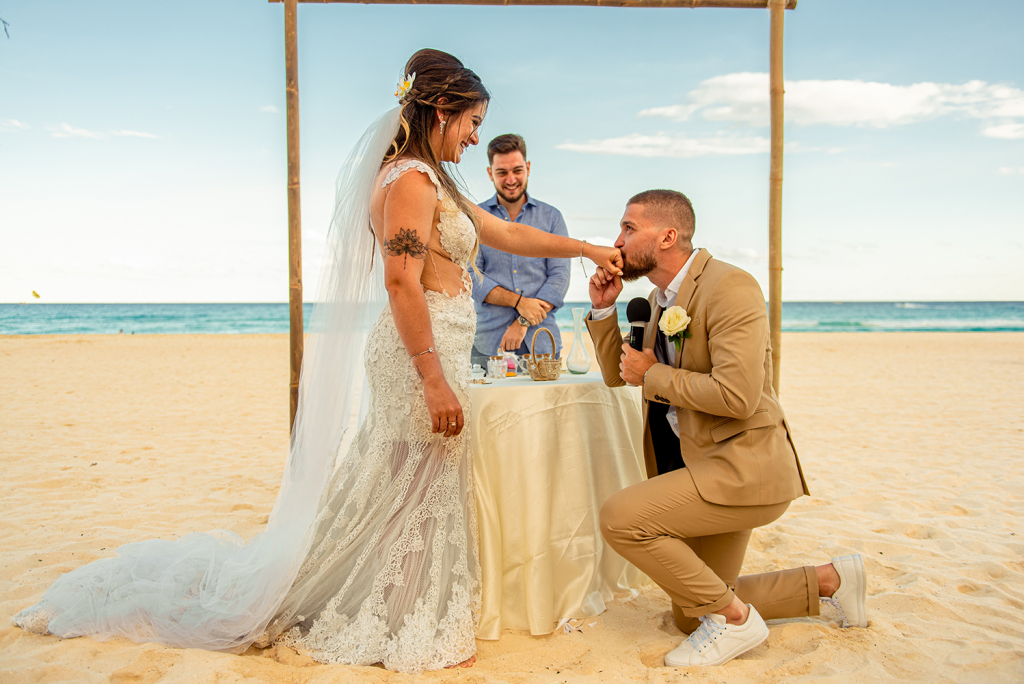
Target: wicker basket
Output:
[(543, 366)]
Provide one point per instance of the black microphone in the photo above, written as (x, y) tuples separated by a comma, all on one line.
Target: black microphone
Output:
[(638, 313)]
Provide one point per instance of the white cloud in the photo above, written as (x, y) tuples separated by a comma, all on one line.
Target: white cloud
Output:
[(1011, 170), (1007, 102), (743, 98), (663, 145), (797, 146), (1010, 131), (270, 109), (667, 145), (675, 112), (12, 125), (137, 134), (68, 131)]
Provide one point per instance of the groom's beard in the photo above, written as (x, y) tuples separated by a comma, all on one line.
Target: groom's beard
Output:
[(637, 265)]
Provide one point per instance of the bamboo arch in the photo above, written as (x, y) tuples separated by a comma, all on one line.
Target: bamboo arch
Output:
[(776, 11)]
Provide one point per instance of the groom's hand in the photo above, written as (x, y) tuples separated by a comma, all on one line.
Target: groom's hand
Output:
[(604, 288), (635, 363)]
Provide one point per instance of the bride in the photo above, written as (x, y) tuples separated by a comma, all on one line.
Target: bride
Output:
[(370, 553)]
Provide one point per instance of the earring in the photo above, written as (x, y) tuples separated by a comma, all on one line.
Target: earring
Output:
[(441, 126)]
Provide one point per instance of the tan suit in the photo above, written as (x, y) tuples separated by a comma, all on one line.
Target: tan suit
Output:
[(688, 529)]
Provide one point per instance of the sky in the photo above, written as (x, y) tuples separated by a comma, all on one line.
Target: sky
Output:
[(142, 143)]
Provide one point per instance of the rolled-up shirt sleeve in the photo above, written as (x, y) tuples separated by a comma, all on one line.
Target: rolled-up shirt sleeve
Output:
[(482, 285)]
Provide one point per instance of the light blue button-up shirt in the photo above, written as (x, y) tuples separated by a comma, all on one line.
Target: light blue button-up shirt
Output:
[(546, 279)]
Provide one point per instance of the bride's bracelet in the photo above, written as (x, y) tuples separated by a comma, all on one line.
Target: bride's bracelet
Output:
[(583, 243), (425, 351)]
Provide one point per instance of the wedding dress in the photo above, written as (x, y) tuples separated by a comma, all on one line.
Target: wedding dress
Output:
[(370, 554), (393, 574)]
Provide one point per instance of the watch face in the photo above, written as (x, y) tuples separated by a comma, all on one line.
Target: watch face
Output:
[(523, 322)]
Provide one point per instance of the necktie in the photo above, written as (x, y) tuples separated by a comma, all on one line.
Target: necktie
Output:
[(666, 443)]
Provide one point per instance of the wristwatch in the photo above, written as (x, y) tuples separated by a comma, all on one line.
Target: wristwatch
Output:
[(523, 322)]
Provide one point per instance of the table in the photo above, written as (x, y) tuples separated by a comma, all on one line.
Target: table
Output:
[(546, 455)]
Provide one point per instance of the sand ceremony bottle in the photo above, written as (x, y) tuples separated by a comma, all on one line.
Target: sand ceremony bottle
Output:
[(578, 360)]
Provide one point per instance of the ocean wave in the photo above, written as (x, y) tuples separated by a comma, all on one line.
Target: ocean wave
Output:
[(843, 324)]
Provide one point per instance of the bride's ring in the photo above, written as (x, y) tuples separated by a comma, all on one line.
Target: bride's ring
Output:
[(453, 423)]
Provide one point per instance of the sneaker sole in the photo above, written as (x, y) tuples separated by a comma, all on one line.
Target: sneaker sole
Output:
[(724, 659), (862, 582)]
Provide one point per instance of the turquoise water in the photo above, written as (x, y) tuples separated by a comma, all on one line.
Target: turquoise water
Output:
[(85, 319), (903, 316)]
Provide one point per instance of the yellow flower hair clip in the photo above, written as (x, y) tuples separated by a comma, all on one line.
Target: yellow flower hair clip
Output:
[(405, 85)]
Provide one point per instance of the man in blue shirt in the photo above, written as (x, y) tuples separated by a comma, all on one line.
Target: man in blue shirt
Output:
[(516, 295)]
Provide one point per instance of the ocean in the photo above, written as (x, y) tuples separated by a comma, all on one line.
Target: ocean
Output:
[(106, 319)]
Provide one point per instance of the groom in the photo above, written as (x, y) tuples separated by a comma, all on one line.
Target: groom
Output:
[(720, 459)]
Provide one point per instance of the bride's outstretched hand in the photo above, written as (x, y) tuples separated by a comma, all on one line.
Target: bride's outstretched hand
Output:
[(608, 258)]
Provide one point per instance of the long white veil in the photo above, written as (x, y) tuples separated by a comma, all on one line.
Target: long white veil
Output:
[(211, 590)]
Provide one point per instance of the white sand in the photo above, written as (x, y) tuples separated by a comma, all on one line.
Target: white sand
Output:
[(911, 443)]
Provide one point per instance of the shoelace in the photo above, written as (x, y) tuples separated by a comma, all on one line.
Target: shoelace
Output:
[(834, 602), (705, 635)]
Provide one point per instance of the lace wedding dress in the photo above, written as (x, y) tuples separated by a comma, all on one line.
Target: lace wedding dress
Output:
[(393, 574), (370, 555)]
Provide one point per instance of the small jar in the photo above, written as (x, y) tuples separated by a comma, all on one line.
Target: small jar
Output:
[(511, 364), (496, 367)]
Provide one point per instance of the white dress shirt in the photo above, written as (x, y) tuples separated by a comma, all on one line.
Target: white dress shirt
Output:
[(665, 299)]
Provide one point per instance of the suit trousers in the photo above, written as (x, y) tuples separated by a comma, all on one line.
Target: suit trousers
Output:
[(694, 550)]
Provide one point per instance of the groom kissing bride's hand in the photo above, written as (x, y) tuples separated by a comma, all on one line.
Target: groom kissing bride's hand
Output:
[(720, 459), (605, 289)]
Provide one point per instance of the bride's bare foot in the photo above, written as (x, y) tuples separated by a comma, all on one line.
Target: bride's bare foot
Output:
[(464, 663)]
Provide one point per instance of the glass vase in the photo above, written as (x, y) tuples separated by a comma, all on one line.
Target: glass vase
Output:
[(578, 360)]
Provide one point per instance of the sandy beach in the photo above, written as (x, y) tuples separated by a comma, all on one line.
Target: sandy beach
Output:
[(911, 443)]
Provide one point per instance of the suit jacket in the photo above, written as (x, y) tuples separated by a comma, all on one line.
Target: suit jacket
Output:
[(733, 434)]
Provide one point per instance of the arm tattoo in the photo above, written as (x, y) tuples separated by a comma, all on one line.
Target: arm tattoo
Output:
[(407, 243)]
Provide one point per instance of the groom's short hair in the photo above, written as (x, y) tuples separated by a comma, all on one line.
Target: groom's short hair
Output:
[(505, 144), (671, 208)]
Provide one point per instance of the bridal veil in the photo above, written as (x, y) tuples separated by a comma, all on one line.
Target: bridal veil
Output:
[(212, 590)]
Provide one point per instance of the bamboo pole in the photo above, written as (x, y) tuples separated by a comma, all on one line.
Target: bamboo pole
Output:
[(740, 4), (291, 61), (777, 90)]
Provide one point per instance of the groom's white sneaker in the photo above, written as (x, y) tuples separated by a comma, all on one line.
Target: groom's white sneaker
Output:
[(849, 597), (716, 642)]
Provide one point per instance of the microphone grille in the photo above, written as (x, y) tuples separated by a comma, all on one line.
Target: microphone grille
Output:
[(638, 309)]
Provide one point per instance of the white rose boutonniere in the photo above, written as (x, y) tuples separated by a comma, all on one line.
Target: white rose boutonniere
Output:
[(673, 324)]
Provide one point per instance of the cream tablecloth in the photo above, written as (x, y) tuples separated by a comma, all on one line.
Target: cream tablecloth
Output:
[(546, 455)]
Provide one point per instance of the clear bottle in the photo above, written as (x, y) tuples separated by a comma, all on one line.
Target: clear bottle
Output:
[(578, 360), (511, 364)]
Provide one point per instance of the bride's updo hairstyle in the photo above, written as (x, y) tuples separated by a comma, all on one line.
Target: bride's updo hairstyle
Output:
[(442, 84)]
